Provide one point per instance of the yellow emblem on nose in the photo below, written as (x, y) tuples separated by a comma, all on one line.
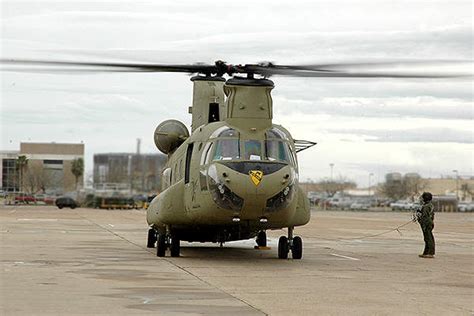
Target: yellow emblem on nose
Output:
[(256, 176)]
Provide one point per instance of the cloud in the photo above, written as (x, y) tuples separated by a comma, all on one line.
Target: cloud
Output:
[(394, 107), (419, 135)]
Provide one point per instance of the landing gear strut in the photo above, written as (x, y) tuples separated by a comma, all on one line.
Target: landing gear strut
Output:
[(285, 244)]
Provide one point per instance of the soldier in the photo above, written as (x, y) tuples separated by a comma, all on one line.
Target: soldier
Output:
[(425, 216)]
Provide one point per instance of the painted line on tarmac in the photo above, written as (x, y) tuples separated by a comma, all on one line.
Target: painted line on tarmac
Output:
[(345, 257), (39, 219)]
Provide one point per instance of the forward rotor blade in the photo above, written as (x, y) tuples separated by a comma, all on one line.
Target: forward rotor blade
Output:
[(64, 66)]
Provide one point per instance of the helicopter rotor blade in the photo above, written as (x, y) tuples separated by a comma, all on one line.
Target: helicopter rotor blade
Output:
[(73, 66), (389, 69)]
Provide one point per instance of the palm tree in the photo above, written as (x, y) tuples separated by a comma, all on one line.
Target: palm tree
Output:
[(21, 162), (77, 168)]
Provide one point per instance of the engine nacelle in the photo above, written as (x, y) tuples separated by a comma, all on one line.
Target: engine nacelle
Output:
[(169, 135)]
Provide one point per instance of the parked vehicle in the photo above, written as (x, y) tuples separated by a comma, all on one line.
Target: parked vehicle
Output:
[(466, 207), (25, 198), (360, 206), (65, 201), (401, 205), (341, 203)]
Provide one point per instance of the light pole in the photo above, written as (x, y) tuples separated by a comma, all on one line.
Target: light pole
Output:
[(457, 179), (332, 167), (370, 176)]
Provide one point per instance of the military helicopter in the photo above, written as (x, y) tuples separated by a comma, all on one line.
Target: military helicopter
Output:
[(235, 176)]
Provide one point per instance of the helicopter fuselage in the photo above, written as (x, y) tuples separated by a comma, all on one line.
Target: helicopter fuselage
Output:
[(226, 184)]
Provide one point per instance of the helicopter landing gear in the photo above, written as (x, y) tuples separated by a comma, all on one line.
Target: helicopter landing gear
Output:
[(166, 241), (151, 238), (175, 245), (261, 239), (285, 244), (161, 245)]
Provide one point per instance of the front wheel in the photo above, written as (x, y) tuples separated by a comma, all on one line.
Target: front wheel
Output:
[(151, 240), (261, 239), (297, 248), (161, 245), (283, 248), (175, 246)]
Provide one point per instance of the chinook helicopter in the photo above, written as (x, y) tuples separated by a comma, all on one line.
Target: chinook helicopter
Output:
[(235, 176)]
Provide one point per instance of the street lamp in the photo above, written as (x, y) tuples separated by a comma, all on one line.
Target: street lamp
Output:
[(370, 176), (457, 179)]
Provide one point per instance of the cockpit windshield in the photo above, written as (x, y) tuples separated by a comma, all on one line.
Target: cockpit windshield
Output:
[(227, 149), (252, 150), (227, 145), (277, 151)]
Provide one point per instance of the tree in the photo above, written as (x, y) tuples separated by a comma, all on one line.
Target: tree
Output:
[(77, 168), (21, 162), (35, 178), (331, 187), (407, 187)]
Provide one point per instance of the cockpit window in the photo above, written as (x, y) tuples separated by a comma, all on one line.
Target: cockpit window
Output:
[(252, 150), (227, 149), (275, 133), (277, 151), (229, 132)]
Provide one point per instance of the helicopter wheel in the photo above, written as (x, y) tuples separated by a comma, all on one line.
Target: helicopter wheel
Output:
[(151, 238), (161, 245), (175, 246), (297, 248), (283, 248), (261, 239)]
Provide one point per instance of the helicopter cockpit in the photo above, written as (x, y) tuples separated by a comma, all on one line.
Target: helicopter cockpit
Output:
[(227, 145)]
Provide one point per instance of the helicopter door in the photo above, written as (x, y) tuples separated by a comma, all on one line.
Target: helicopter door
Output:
[(191, 178), (187, 168), (213, 112)]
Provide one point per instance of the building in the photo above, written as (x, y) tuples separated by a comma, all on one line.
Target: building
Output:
[(140, 172), (47, 168), (462, 187)]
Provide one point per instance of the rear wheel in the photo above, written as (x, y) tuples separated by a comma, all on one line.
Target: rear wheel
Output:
[(283, 248), (175, 246), (151, 238), (161, 245), (297, 248), (60, 206), (261, 239)]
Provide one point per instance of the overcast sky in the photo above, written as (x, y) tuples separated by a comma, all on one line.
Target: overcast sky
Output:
[(363, 126)]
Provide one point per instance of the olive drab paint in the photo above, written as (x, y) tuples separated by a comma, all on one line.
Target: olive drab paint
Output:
[(220, 183)]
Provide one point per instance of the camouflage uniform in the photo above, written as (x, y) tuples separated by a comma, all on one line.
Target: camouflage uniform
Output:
[(426, 219)]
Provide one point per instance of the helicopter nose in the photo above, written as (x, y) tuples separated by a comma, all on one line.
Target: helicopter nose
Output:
[(245, 187)]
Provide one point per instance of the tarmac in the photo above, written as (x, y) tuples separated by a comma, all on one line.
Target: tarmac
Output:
[(95, 262)]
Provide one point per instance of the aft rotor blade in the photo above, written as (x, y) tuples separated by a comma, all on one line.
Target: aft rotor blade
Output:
[(391, 69)]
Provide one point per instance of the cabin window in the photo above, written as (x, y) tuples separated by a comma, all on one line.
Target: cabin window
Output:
[(277, 151), (166, 178), (227, 149), (252, 150)]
